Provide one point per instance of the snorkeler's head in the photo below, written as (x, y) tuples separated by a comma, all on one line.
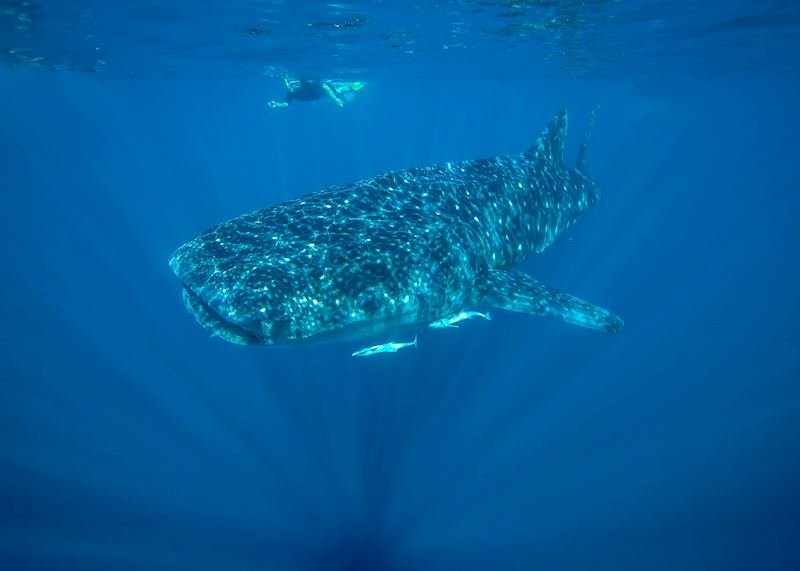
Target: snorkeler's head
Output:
[(291, 83)]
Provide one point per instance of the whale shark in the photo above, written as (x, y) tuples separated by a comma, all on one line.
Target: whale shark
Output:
[(394, 253)]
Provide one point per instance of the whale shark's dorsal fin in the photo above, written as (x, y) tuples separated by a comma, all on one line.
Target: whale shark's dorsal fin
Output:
[(551, 142), (516, 291)]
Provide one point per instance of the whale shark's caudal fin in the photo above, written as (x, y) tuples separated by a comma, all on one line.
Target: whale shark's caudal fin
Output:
[(551, 142), (587, 134), (518, 292)]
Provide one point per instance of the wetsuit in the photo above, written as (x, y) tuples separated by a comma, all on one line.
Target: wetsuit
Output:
[(309, 90)]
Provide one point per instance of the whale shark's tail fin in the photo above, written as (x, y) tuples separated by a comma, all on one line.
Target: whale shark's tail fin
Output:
[(551, 142), (587, 134)]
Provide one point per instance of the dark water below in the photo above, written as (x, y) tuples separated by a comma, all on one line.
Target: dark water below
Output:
[(129, 439)]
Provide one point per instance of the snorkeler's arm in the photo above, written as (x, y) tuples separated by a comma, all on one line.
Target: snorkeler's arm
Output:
[(332, 94), (282, 104)]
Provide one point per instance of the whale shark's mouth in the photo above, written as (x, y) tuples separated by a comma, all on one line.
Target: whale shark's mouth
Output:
[(218, 326)]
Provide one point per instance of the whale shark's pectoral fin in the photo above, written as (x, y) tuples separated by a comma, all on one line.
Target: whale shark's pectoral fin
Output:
[(518, 292)]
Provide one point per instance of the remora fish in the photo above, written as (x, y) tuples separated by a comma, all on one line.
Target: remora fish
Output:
[(393, 253), (390, 347), (451, 320)]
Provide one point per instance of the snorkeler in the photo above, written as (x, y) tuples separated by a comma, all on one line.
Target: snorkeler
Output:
[(311, 90)]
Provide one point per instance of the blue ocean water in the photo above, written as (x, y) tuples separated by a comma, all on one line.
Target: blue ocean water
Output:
[(130, 439)]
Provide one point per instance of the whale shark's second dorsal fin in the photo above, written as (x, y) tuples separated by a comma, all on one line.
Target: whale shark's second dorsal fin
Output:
[(551, 143)]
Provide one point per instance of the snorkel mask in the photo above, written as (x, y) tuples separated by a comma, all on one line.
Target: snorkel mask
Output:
[(291, 84)]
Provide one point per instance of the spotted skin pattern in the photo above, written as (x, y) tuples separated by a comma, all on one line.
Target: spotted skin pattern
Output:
[(392, 253)]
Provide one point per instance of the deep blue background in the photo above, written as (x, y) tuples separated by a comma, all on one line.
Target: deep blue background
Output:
[(129, 439)]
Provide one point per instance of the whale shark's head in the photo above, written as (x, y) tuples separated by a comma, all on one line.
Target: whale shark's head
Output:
[(242, 294), (234, 297)]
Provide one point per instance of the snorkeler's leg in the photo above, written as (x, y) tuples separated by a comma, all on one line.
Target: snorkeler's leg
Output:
[(332, 94)]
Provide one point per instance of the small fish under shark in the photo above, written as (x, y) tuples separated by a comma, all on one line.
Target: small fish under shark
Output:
[(391, 254), (451, 320), (390, 347)]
